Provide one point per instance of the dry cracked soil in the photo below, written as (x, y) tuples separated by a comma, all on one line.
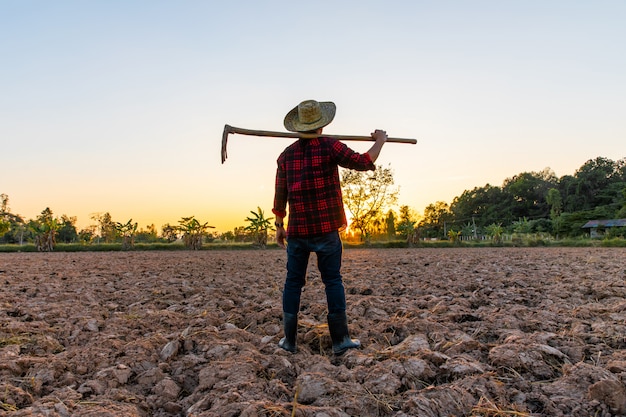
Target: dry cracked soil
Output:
[(445, 332)]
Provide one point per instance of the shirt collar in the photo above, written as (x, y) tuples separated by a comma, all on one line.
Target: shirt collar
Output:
[(304, 142)]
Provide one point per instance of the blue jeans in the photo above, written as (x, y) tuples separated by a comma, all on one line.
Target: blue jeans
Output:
[(329, 250)]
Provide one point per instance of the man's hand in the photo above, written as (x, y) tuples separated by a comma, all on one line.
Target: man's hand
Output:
[(380, 136), (281, 235)]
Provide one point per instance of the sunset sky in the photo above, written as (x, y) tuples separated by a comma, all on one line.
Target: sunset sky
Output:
[(119, 106)]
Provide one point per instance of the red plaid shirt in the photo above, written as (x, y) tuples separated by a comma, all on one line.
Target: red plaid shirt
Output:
[(307, 178)]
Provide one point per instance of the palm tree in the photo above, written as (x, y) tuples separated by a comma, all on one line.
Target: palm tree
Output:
[(259, 226)]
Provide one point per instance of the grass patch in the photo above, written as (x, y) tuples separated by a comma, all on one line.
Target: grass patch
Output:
[(14, 340), (613, 243), (7, 407)]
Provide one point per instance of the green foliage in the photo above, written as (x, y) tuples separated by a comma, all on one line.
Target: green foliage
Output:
[(592, 178), (169, 232), (127, 232), (259, 225), (527, 193), (470, 230), (108, 231), (87, 235), (495, 230), (522, 226), (454, 236), (44, 229), (4, 226), (407, 223), (615, 233), (193, 231), (614, 242), (17, 231), (148, 235), (559, 206), (66, 232), (435, 218), (483, 205), (554, 200)]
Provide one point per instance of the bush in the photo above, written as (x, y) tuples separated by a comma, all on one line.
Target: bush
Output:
[(614, 242)]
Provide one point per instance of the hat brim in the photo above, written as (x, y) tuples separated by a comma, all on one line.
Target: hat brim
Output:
[(292, 123)]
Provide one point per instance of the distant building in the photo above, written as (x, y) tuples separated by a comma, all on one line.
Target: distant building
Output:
[(598, 227)]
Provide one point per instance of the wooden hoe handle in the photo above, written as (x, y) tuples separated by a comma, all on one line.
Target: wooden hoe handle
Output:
[(228, 129)]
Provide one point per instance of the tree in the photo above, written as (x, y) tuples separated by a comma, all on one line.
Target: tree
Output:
[(366, 195), (593, 177), (67, 230), (148, 235), (169, 232), (567, 188), (483, 206), (406, 225), (598, 182), (391, 225), (495, 230), (240, 234), (622, 211), (469, 229), (44, 229), (88, 234), (227, 236), (259, 226), (528, 191), (455, 236), (435, 218), (193, 231), (4, 203), (13, 226), (127, 232), (108, 232), (5, 224), (553, 198)]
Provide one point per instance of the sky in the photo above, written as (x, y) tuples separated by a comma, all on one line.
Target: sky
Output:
[(119, 106)]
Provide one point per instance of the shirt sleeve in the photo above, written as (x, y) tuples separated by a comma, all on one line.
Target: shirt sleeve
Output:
[(280, 192), (347, 158)]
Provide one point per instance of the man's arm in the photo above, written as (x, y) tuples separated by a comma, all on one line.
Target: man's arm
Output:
[(380, 136), (280, 205)]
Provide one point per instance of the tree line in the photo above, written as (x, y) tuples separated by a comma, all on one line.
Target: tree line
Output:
[(530, 202), (535, 202), (46, 230)]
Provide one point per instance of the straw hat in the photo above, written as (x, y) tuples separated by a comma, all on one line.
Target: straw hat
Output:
[(310, 115)]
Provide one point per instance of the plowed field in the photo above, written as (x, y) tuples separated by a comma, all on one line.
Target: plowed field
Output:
[(445, 332)]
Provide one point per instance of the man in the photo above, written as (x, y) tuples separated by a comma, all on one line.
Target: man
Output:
[(307, 178)]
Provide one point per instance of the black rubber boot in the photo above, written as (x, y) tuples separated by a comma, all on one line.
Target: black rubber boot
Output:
[(338, 328), (290, 325)]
